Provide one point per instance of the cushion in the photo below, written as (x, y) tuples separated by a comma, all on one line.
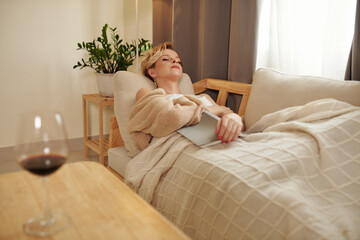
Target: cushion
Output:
[(118, 159), (126, 85), (272, 91)]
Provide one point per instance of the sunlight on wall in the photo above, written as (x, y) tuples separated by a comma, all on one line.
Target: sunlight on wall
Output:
[(38, 49)]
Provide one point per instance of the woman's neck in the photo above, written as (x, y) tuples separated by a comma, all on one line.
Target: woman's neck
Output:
[(170, 87)]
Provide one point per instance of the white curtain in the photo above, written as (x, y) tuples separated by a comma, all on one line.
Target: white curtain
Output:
[(307, 37)]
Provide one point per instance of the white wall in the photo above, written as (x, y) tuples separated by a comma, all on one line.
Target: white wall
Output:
[(145, 19), (145, 22), (38, 49)]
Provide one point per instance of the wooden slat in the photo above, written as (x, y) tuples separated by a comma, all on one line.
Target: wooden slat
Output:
[(228, 86), (115, 136), (116, 173), (200, 86), (221, 99), (94, 144), (96, 98), (85, 126), (243, 104)]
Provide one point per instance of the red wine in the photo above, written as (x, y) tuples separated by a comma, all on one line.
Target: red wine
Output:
[(43, 164)]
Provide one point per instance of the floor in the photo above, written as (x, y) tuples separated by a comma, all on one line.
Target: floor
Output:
[(8, 163)]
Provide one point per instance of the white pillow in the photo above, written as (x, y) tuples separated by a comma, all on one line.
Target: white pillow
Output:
[(126, 85), (272, 91)]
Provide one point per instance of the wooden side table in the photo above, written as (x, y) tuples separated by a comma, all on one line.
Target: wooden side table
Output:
[(100, 207), (100, 145)]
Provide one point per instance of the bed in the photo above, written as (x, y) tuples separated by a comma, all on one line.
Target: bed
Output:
[(294, 175)]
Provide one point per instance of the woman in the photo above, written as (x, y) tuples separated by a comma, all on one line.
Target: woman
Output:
[(163, 66)]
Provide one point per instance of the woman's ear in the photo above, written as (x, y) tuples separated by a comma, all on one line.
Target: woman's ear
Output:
[(152, 73)]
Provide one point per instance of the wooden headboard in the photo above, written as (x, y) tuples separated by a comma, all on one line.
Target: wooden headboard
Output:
[(224, 87)]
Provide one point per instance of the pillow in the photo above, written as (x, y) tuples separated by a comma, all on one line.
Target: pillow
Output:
[(272, 91), (126, 84)]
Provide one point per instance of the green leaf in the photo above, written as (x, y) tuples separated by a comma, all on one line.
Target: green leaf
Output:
[(110, 55), (104, 35)]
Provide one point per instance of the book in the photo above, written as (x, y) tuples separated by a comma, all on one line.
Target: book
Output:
[(203, 133)]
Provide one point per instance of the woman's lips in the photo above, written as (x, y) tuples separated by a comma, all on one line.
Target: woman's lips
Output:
[(175, 67)]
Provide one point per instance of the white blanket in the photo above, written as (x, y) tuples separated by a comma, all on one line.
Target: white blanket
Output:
[(296, 176)]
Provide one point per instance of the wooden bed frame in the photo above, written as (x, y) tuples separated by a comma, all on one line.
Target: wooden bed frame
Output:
[(224, 87)]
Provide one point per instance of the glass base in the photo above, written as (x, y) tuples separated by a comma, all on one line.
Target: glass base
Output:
[(40, 226)]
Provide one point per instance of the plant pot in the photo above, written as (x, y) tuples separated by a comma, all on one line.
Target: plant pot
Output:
[(105, 84)]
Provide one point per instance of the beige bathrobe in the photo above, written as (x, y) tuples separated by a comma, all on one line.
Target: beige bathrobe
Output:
[(155, 116)]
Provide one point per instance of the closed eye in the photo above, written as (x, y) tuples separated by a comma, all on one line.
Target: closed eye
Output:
[(178, 60)]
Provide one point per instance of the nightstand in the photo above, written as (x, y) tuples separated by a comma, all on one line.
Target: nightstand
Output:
[(100, 145)]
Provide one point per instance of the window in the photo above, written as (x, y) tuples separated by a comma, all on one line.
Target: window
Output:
[(306, 37)]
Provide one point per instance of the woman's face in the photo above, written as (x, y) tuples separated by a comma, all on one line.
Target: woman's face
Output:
[(167, 66)]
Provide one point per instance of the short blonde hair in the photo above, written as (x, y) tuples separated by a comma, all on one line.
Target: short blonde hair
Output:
[(152, 56)]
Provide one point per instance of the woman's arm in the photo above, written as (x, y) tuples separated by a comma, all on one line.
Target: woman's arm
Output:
[(153, 114), (216, 109), (230, 125), (141, 92)]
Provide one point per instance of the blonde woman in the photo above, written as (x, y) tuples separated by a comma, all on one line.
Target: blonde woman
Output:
[(163, 66)]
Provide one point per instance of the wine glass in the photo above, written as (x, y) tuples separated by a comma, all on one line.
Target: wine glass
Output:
[(41, 149)]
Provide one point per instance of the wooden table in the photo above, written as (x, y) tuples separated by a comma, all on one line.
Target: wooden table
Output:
[(99, 204), (100, 145)]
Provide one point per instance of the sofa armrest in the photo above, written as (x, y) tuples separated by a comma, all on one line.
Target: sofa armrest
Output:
[(225, 87)]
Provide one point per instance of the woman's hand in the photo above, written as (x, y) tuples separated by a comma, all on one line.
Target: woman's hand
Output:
[(229, 127)]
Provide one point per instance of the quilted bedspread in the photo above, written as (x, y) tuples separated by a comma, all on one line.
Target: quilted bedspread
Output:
[(295, 175)]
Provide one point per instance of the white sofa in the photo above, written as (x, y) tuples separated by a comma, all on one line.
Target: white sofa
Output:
[(271, 91), (294, 175)]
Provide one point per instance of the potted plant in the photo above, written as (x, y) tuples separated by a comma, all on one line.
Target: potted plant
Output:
[(107, 56)]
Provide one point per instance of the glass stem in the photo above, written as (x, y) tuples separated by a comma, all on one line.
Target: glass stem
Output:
[(47, 213)]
